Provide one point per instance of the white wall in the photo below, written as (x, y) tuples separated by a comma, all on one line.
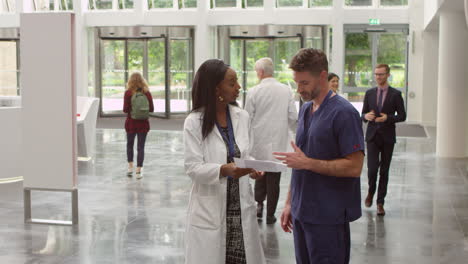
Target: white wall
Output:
[(452, 86), (430, 77), (415, 58), (10, 142), (430, 11)]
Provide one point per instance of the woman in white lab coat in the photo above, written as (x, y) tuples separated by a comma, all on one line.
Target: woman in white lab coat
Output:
[(222, 225)]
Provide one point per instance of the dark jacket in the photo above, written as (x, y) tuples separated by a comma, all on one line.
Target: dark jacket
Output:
[(393, 106)]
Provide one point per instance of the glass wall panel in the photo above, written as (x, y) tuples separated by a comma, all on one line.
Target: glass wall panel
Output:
[(255, 50), (285, 49), (254, 3), (225, 3), (113, 75), (160, 4), (316, 3), (52, 5), (392, 51), (135, 56), (181, 72), (358, 2), (358, 60), (236, 61), (125, 4), (289, 3), (8, 69), (364, 50), (394, 2), (7, 6), (110, 4), (157, 73), (188, 4)]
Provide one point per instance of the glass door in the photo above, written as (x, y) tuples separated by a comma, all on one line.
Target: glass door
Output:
[(164, 56), (236, 60), (113, 75), (285, 49), (181, 75), (121, 58), (157, 79), (365, 48), (135, 54), (255, 49)]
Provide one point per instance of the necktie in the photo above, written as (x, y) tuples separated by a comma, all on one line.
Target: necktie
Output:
[(379, 105)]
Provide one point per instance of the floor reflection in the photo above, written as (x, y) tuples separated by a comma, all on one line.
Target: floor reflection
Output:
[(124, 220)]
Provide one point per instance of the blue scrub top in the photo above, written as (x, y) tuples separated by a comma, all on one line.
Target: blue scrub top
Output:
[(332, 132)]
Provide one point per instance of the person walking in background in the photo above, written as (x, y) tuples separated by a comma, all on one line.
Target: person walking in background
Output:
[(138, 103), (334, 82), (272, 113), (383, 107)]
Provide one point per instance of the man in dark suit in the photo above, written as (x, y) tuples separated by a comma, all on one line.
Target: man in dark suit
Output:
[(383, 107)]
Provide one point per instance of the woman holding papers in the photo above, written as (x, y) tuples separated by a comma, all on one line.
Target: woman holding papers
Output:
[(222, 225)]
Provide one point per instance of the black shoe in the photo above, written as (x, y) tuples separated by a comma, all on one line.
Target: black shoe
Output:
[(271, 220), (260, 210)]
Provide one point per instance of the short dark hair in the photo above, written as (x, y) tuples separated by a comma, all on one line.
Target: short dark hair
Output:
[(387, 68), (332, 75), (210, 74), (309, 60)]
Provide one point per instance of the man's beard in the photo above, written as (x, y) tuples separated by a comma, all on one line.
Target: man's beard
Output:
[(315, 93), (312, 94)]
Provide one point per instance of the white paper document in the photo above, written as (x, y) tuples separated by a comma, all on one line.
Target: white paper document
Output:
[(261, 165)]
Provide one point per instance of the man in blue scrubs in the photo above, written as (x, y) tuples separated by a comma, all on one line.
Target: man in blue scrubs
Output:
[(324, 196)]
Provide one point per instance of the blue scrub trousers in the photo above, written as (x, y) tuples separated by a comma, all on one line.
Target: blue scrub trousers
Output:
[(321, 244)]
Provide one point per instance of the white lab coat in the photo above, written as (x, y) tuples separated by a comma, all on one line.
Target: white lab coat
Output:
[(205, 236), (272, 112)]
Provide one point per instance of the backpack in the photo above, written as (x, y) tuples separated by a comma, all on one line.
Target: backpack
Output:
[(140, 106)]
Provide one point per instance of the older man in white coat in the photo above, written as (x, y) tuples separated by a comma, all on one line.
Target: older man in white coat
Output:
[(272, 113)]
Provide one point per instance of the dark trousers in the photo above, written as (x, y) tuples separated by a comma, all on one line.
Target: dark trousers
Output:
[(321, 244), (379, 157), (140, 147), (268, 187)]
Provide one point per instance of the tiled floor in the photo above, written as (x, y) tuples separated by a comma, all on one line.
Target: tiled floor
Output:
[(128, 221)]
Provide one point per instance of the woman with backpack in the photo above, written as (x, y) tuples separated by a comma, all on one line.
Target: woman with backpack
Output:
[(138, 103)]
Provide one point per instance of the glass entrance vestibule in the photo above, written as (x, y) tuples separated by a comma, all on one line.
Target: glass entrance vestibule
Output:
[(365, 47), (242, 46), (163, 55)]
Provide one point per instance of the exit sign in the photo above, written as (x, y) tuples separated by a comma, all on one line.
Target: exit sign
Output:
[(374, 21)]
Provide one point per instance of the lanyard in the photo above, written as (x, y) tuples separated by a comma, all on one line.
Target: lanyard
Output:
[(229, 139)]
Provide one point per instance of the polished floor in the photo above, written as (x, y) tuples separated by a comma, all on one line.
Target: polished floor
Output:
[(124, 220)]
